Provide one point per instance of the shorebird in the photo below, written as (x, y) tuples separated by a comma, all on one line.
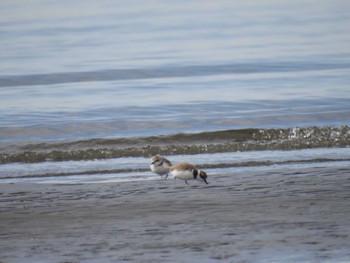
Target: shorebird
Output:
[(186, 171), (160, 165)]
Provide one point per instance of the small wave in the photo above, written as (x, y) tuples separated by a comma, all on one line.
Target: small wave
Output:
[(150, 73), (191, 143)]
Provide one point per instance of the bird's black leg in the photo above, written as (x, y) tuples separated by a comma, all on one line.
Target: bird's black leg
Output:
[(186, 182)]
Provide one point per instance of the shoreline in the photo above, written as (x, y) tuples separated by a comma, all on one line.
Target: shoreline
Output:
[(283, 215)]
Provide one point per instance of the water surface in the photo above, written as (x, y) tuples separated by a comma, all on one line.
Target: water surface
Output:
[(86, 84)]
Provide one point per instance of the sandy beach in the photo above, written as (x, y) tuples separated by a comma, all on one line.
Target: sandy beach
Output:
[(277, 215)]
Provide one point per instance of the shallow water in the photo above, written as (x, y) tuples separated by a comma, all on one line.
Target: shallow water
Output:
[(87, 84), (137, 168)]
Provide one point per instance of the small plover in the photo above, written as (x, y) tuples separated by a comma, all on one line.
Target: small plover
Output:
[(186, 171), (160, 165)]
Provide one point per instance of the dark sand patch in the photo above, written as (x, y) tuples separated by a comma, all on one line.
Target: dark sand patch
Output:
[(282, 216)]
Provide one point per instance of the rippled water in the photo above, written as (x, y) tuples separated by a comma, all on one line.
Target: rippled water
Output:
[(86, 82)]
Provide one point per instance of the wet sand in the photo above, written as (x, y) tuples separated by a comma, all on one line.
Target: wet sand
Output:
[(277, 215)]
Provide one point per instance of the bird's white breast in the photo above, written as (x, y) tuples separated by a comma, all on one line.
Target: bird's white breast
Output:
[(159, 169), (183, 174)]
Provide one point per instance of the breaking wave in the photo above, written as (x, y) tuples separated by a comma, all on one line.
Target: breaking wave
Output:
[(184, 143)]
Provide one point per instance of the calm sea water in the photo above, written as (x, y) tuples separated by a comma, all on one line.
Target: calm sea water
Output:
[(99, 84)]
